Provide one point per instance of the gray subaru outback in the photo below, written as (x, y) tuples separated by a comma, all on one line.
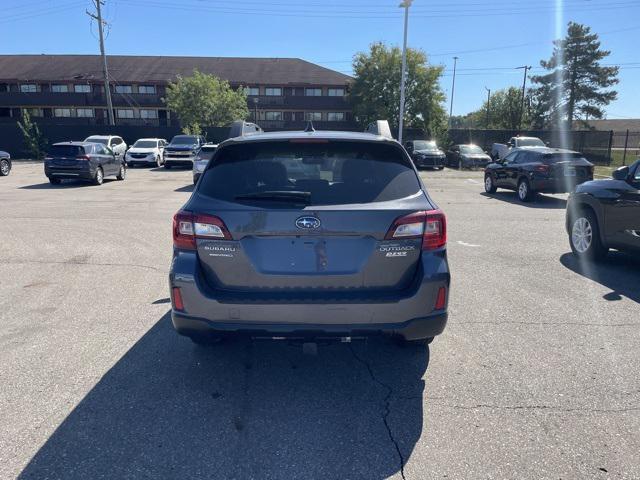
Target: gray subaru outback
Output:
[(310, 235)]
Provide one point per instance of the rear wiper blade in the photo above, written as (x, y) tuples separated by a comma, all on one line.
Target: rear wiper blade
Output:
[(277, 196)]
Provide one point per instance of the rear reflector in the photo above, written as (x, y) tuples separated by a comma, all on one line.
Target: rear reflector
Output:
[(177, 299), (188, 226), (431, 225), (441, 299)]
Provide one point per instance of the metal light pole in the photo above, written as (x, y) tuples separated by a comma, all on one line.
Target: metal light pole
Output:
[(524, 86), (405, 4), (488, 104), (453, 88), (255, 110)]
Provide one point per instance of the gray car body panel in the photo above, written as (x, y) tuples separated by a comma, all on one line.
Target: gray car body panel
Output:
[(342, 276)]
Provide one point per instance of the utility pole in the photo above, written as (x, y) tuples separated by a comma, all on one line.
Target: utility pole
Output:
[(105, 71), (405, 4), (524, 86), (488, 104), (453, 88)]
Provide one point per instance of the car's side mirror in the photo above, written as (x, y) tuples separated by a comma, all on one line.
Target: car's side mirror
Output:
[(621, 173)]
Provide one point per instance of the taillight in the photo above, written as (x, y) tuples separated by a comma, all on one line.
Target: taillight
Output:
[(542, 168), (82, 157), (429, 225), (188, 226)]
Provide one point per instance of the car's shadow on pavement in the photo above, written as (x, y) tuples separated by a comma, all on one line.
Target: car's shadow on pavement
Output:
[(538, 201), (64, 185), (619, 272), (169, 409), (186, 188)]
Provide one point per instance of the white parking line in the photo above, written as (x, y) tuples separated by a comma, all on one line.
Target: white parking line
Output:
[(465, 244), (471, 180)]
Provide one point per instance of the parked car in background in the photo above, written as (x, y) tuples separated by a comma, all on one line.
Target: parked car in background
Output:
[(425, 153), (605, 214), (354, 247), (182, 151), (467, 156), (146, 151), (113, 142), (82, 161), (5, 164), (202, 159), (540, 169), (501, 150)]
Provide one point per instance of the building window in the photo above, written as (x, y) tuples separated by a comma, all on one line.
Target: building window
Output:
[(62, 112), (124, 113), (313, 116), (336, 92), (4, 87), (273, 115), (35, 112), (148, 113), (253, 91), (147, 89), (84, 112), (273, 91), (29, 88), (335, 116), (124, 89), (313, 92), (59, 88), (82, 88)]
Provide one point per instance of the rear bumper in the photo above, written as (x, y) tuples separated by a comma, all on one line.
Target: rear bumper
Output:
[(409, 313), (414, 329), (87, 174), (561, 185)]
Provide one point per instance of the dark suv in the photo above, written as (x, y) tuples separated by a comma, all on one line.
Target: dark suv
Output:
[(84, 161), (540, 169), (182, 151), (426, 154), (309, 234)]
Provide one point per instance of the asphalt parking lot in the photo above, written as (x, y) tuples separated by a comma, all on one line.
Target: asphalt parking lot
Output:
[(536, 376)]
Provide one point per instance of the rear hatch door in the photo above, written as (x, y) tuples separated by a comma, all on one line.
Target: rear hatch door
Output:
[(309, 217)]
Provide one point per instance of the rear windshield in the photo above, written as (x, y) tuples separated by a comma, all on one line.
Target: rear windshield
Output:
[(104, 141), (561, 157), (183, 140), (425, 145), (65, 151), (530, 142), (470, 149), (332, 173)]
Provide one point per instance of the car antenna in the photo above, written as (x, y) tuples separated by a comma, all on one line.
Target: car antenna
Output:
[(309, 128)]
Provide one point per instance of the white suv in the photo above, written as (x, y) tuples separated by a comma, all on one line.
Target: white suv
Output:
[(115, 143), (148, 151)]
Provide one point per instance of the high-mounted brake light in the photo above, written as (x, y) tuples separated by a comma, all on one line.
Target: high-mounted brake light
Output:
[(431, 225), (188, 226)]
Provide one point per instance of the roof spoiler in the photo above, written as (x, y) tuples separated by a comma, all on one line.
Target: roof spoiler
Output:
[(240, 128), (380, 127)]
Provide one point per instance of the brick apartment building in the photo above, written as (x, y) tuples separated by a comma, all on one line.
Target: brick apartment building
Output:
[(68, 89)]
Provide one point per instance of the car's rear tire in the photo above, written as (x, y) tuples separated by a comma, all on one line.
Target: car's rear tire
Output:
[(489, 184), (584, 236), (122, 174), (524, 190), (55, 181), (98, 178), (5, 167)]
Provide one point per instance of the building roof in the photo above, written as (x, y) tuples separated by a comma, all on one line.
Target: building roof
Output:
[(617, 125), (239, 71)]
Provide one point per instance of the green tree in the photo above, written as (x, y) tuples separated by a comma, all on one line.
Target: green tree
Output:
[(204, 100), (577, 85), (505, 109), (34, 142), (375, 93)]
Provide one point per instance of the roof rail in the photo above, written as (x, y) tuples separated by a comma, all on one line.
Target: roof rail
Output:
[(379, 127), (240, 128)]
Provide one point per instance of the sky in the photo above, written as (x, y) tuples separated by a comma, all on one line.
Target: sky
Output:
[(491, 38)]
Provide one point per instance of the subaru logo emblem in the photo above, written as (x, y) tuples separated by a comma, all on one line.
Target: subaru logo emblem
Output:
[(308, 223)]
